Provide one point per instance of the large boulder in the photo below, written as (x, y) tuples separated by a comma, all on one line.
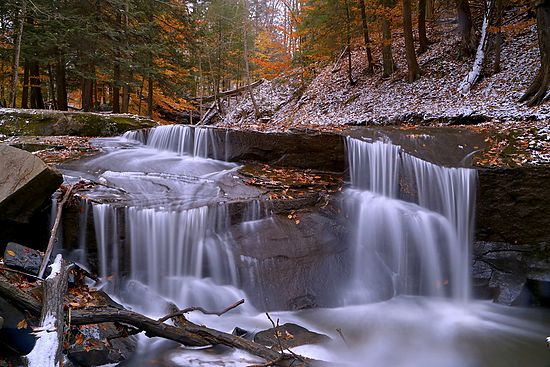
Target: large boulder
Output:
[(26, 183)]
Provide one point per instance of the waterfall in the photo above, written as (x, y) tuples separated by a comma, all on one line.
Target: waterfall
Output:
[(413, 224), (184, 140), (177, 254)]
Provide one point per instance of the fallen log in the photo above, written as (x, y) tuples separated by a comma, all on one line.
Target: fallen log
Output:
[(187, 333), (229, 93), (48, 347)]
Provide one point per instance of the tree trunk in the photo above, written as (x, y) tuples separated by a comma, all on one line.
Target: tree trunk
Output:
[(37, 101), (116, 88), (51, 88), (25, 94), (536, 92), (47, 350), (365, 26), (464, 17), (475, 73), (498, 36), (126, 89), (13, 93), (87, 94), (387, 56), (412, 64), (60, 83), (150, 97), (348, 42), (422, 38), (246, 63)]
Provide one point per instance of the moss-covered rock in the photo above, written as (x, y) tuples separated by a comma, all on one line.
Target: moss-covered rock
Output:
[(45, 122)]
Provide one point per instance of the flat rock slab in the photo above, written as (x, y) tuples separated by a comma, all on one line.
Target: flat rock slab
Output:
[(23, 258), (290, 336), (26, 183), (47, 123)]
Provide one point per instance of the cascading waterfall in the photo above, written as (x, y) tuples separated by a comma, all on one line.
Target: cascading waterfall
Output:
[(417, 247), (171, 252), (198, 142)]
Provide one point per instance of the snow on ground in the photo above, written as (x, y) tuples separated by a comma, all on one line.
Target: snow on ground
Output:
[(330, 101)]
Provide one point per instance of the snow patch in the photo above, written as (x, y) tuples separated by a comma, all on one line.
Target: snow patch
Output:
[(55, 267), (44, 351)]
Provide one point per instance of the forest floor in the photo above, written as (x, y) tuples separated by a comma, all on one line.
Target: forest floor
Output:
[(329, 102)]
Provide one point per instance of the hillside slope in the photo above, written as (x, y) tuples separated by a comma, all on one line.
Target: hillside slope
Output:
[(328, 101)]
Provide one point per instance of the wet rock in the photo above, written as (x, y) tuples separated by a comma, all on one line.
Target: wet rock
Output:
[(96, 351), (290, 336), (513, 205), (241, 332), (321, 151), (26, 184), (285, 261), (303, 302), (534, 293), (23, 258), (509, 271)]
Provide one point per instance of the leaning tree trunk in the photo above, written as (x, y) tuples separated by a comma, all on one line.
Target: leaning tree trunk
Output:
[(412, 64), (475, 73), (536, 93), (464, 17)]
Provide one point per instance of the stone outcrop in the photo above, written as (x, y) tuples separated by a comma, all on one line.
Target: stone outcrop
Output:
[(513, 248), (46, 123), (26, 184)]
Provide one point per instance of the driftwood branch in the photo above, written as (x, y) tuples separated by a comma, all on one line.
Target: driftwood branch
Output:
[(206, 117), (191, 309), (229, 93), (53, 235)]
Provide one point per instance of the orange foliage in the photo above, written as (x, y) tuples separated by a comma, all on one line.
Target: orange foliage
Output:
[(270, 57)]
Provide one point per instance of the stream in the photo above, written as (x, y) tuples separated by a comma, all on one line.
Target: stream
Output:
[(397, 283)]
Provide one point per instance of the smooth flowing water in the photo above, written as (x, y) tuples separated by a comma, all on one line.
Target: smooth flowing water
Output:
[(162, 227)]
